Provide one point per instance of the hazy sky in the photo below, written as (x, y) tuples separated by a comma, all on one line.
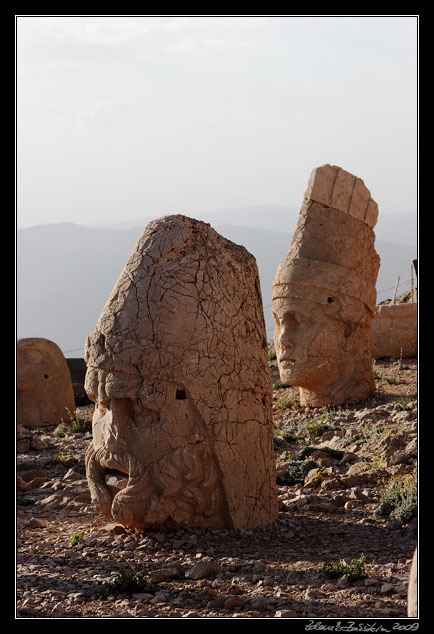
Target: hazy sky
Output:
[(122, 117)]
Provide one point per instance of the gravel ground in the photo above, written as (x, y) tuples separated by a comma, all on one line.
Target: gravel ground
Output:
[(70, 561)]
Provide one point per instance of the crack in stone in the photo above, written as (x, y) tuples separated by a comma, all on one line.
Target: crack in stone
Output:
[(187, 315)]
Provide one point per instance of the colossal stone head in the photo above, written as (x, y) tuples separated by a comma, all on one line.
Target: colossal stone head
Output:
[(177, 367), (324, 293)]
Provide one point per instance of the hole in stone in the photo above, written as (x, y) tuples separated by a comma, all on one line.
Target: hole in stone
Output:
[(263, 400), (329, 299), (45, 376), (181, 395)]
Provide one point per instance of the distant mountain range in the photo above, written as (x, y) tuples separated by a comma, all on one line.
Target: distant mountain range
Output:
[(65, 272)]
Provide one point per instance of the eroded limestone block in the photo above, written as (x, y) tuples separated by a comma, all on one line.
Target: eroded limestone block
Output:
[(177, 366), (324, 294), (394, 331), (44, 387)]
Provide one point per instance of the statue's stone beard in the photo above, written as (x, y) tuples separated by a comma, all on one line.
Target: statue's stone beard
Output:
[(180, 489)]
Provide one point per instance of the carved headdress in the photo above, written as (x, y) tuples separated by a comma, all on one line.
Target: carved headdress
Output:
[(332, 251)]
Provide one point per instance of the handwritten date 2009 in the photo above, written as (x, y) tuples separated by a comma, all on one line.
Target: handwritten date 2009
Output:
[(352, 626)]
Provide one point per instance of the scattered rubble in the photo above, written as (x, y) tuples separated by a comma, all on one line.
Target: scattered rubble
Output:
[(69, 558)]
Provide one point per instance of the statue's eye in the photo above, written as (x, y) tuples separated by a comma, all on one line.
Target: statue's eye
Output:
[(180, 395)]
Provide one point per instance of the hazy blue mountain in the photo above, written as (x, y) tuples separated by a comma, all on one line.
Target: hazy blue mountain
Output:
[(257, 217), (65, 273), (394, 228)]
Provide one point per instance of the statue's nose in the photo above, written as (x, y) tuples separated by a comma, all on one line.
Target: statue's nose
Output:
[(285, 335), (112, 426)]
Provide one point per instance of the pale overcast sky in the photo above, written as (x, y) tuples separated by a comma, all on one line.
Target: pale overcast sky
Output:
[(122, 117)]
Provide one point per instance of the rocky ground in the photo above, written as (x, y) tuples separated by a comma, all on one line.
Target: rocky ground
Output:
[(334, 467)]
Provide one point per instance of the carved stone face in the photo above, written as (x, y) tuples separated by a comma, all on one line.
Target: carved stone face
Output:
[(308, 342), (322, 345), (177, 366), (150, 456)]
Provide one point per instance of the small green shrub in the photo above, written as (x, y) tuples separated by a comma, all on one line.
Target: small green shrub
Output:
[(356, 570), (285, 435), (66, 458), (287, 401), (131, 581), (379, 376), (312, 427), (305, 453), (398, 498), (296, 471), (279, 384), (76, 538), (370, 433), (317, 428), (74, 425), (403, 402)]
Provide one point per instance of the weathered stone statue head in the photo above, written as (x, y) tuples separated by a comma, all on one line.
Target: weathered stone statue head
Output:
[(177, 366), (324, 293), (44, 386)]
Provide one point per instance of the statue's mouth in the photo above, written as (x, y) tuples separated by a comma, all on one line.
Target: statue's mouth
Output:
[(110, 476), (287, 361), (116, 480)]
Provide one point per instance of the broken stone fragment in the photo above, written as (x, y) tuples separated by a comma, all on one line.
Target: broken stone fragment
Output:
[(178, 369), (202, 570), (324, 294), (412, 595), (170, 572)]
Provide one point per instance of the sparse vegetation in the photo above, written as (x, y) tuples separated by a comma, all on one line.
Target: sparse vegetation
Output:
[(76, 538), (371, 433), (392, 377), (272, 354), (309, 428), (286, 402), (74, 425), (284, 435), (378, 462), (356, 570), (130, 581), (330, 511), (379, 376), (403, 403), (67, 458), (398, 498), (296, 470), (317, 428), (279, 385)]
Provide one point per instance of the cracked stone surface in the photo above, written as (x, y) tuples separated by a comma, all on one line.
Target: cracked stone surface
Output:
[(44, 387), (177, 367), (324, 294)]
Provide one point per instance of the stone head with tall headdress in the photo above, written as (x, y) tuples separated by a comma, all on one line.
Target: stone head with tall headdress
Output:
[(324, 294)]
